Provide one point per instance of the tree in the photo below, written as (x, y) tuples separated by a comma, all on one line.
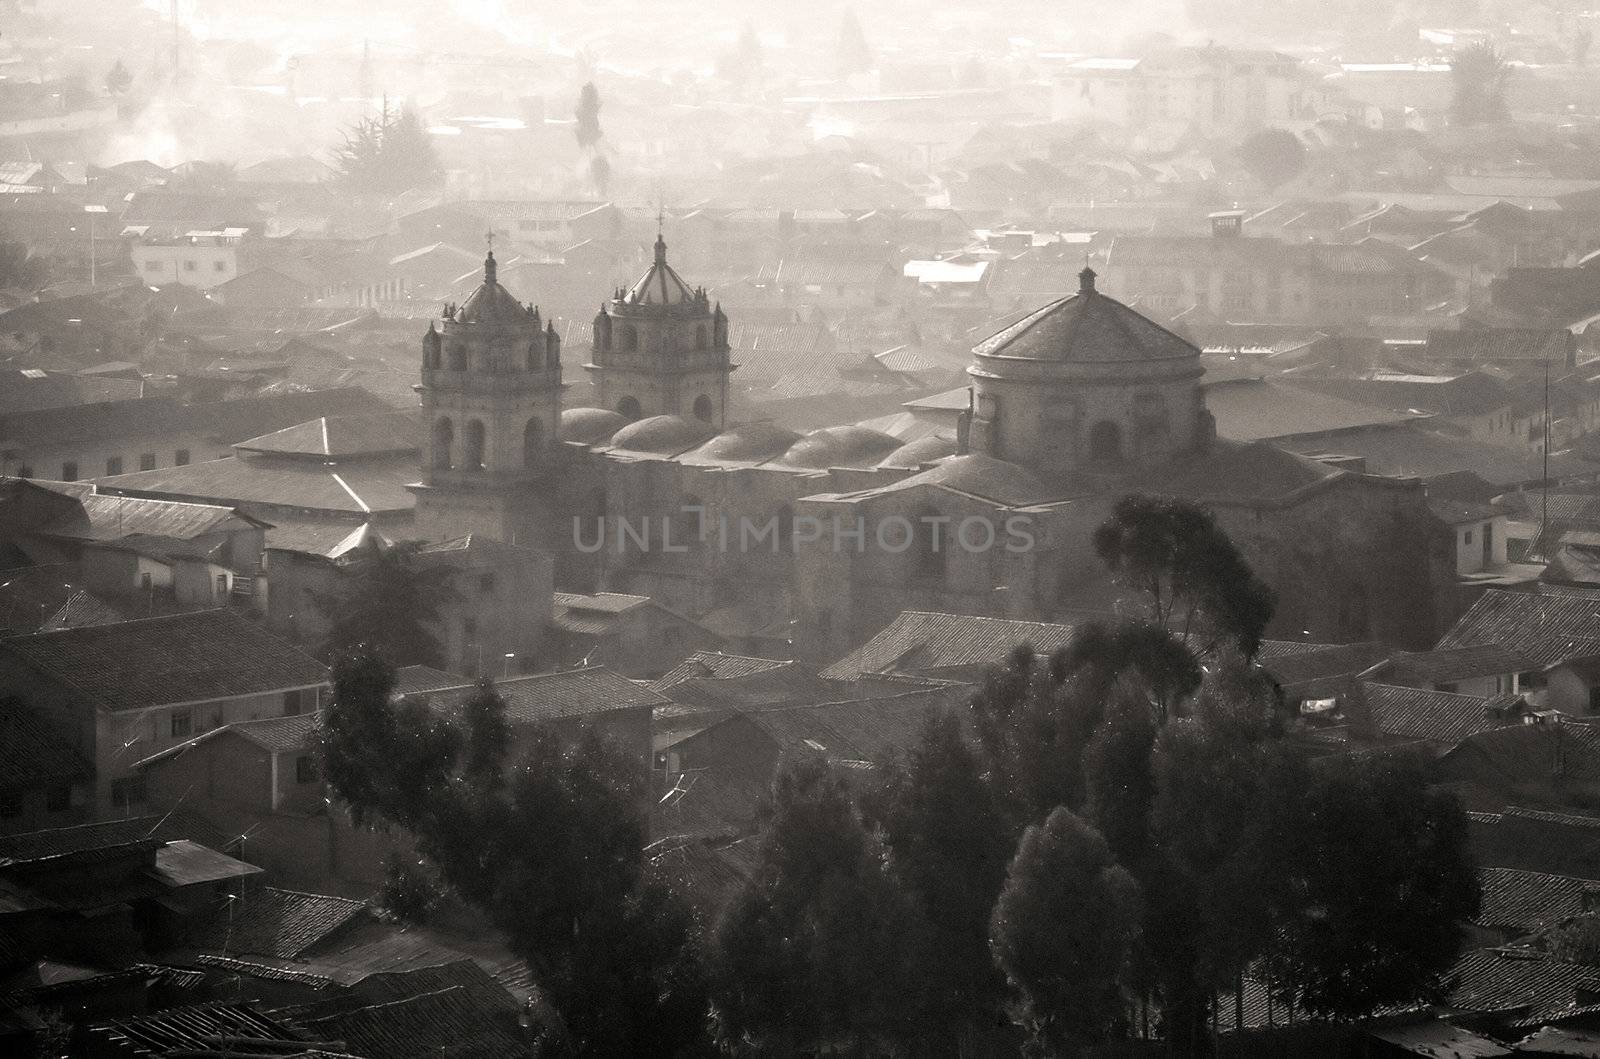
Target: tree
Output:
[(743, 61), (819, 949), (1376, 881), (947, 847), (118, 79), (20, 269), (389, 600), (1478, 77), (852, 55), (550, 849), (587, 130), (1273, 156), (1062, 932), (1195, 580), (388, 154)]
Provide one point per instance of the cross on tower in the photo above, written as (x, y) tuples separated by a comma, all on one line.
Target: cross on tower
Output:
[(488, 239)]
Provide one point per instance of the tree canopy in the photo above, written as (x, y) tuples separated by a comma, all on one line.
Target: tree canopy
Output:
[(1273, 156), (387, 600), (1478, 77), (20, 268), (388, 154), (548, 845)]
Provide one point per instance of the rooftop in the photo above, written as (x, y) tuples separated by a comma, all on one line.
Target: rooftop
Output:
[(556, 696), (918, 641), (1086, 327), (205, 655)]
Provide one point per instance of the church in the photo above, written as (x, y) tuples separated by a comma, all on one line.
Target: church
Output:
[(806, 545)]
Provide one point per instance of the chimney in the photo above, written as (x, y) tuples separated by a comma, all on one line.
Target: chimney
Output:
[(964, 428), (1227, 224)]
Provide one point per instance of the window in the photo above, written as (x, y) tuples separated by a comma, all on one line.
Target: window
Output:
[(10, 805), (703, 408), (147, 461), (305, 769), (476, 445), (182, 724), (444, 438), (58, 797), (629, 408), (24, 471), (114, 465), (180, 458), (219, 266), (1466, 537), (190, 265), (69, 471), (130, 791), (296, 701), (152, 266), (485, 583)]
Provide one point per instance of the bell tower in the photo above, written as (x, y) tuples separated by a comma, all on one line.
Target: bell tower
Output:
[(491, 400), (661, 348)]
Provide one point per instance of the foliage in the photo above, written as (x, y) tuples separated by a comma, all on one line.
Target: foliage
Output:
[(389, 600), (1375, 880), (20, 269), (388, 154), (549, 849), (1478, 77), (600, 174), (1062, 932), (947, 847), (743, 62), (1273, 156), (1193, 576), (1577, 940), (587, 131), (851, 53), (118, 79), (409, 892), (819, 949)]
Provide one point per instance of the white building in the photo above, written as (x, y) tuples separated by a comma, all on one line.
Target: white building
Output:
[(195, 259)]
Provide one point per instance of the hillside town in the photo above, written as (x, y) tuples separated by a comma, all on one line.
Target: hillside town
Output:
[(902, 530)]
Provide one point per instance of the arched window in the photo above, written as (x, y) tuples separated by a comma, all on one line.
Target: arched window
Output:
[(444, 439), (1105, 442), (458, 357), (629, 408), (532, 442), (628, 340), (476, 436), (930, 545), (533, 356), (703, 408), (700, 337)]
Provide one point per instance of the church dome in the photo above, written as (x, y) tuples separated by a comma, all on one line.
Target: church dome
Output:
[(661, 286), (1240, 470), (924, 450), (844, 446), (662, 435), (1086, 327), (587, 426), (985, 476), (492, 303), (749, 441)]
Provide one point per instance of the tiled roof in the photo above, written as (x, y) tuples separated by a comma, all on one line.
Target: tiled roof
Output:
[(858, 731), (792, 682), (1435, 716), (1322, 661), (1543, 627), (191, 1029), (82, 609), (554, 696), (1414, 450), (185, 863), (1529, 901), (925, 640), (1520, 755), (223, 421), (105, 835), (33, 753), (594, 615), (1501, 343), (716, 665), (180, 658), (1446, 665), (448, 1022), (410, 680), (275, 734), (378, 433), (1266, 409), (361, 487), (1524, 987), (272, 922)]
